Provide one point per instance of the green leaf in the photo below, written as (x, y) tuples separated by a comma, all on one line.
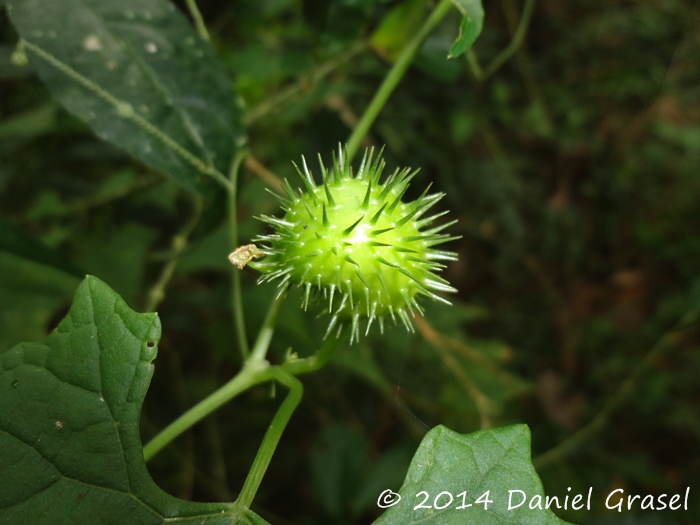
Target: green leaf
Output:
[(15, 241), (494, 460), (470, 27), (70, 449), (140, 77)]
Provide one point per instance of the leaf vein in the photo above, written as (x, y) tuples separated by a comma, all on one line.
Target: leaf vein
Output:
[(125, 110)]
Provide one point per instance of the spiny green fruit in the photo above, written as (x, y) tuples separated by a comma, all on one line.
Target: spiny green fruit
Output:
[(353, 240)]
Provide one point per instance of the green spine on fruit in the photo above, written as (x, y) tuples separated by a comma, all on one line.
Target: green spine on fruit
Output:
[(352, 239)]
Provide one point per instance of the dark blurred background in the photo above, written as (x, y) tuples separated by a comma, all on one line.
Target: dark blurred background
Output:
[(574, 171)]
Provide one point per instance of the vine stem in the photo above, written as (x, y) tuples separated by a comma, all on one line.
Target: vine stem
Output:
[(314, 362), (303, 83), (179, 242), (515, 43), (252, 374), (198, 20), (262, 343), (272, 436), (236, 299), (394, 77), (285, 375), (256, 370)]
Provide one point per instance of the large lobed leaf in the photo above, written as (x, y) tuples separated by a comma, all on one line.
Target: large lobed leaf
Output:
[(493, 460), (70, 450), (140, 77)]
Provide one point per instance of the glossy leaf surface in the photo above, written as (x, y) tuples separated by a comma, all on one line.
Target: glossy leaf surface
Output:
[(140, 77)]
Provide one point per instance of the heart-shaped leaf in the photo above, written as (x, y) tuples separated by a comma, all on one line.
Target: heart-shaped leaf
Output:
[(478, 478), (70, 449)]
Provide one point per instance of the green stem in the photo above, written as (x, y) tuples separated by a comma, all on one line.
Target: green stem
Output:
[(284, 95), (314, 362), (272, 436), (236, 299), (255, 371), (157, 292), (474, 65), (394, 77), (198, 20), (508, 51), (252, 374), (265, 335)]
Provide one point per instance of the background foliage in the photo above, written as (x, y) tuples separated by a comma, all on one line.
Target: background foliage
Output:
[(573, 171)]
